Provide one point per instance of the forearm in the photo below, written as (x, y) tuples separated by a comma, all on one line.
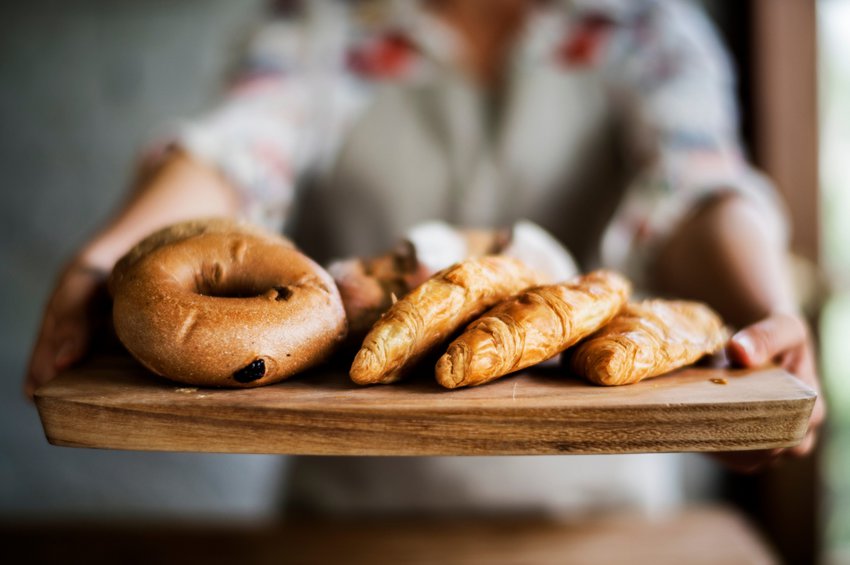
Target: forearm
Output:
[(180, 189), (726, 256)]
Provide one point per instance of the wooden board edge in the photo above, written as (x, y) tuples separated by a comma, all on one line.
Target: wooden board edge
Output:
[(125, 429)]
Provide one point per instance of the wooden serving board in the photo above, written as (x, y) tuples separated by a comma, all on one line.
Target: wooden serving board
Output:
[(114, 403)]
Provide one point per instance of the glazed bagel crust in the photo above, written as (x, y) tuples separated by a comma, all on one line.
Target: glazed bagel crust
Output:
[(220, 304)]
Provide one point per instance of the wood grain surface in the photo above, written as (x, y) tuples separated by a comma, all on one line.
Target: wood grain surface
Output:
[(114, 403)]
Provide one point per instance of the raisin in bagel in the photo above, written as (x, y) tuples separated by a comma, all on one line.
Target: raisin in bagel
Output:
[(216, 303)]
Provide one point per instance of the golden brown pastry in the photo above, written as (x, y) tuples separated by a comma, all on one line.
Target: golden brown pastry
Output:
[(648, 339), (433, 312), (370, 286), (223, 304), (532, 327)]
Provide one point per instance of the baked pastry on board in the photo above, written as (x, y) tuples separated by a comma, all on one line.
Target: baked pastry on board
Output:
[(369, 286), (647, 339), (531, 327), (431, 313), (217, 303)]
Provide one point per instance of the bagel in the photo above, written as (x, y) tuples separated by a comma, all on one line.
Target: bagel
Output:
[(217, 303)]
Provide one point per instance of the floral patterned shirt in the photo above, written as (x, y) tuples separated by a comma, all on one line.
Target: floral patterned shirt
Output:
[(308, 81)]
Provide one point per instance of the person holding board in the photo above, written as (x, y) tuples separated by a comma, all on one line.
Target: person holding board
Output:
[(610, 123)]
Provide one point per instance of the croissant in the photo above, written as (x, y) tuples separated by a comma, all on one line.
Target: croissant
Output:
[(648, 339), (531, 327), (432, 312)]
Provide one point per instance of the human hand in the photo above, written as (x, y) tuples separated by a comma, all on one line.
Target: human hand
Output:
[(68, 323), (783, 339)]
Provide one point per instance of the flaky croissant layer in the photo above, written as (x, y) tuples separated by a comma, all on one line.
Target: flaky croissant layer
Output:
[(531, 327), (648, 339), (434, 311)]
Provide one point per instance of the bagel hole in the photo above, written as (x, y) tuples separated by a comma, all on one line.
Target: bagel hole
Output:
[(217, 280), (232, 292), (238, 289)]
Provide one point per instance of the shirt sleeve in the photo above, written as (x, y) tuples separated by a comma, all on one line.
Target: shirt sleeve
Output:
[(257, 136), (675, 86)]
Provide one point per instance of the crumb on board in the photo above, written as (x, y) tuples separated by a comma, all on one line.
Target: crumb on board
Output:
[(186, 390), (719, 381)]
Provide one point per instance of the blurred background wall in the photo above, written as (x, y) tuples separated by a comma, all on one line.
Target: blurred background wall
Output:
[(83, 85), (834, 83)]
